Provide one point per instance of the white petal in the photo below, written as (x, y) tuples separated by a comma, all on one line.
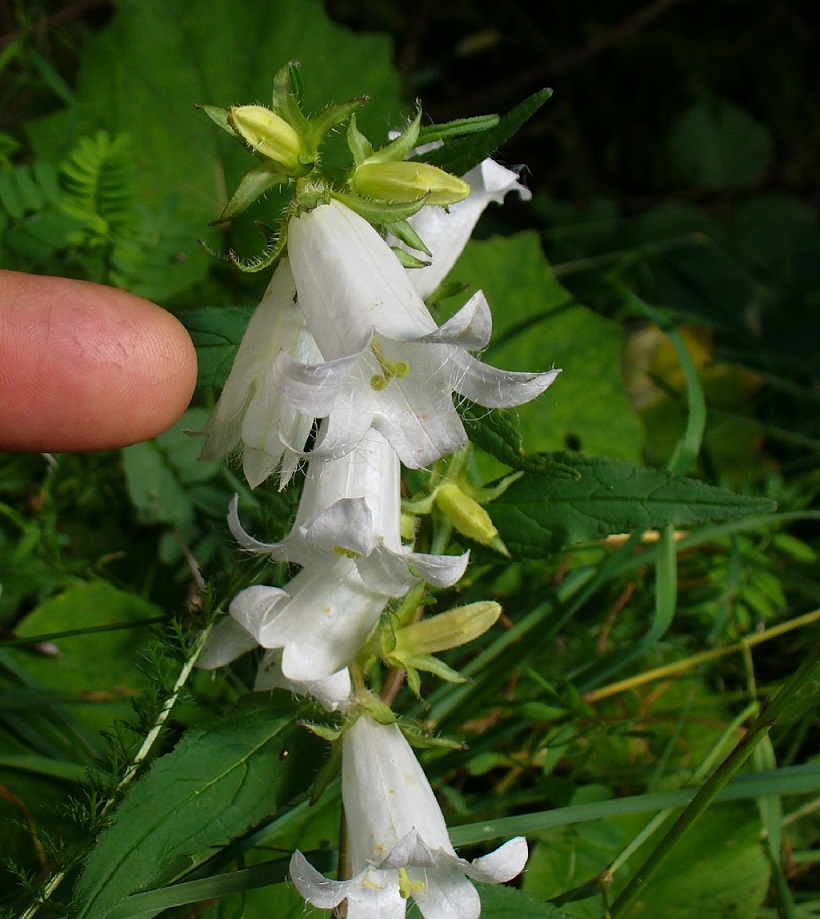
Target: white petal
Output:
[(446, 894), (325, 623), (227, 641), (350, 282), (438, 570), (502, 865), (254, 608), (312, 388), (471, 327), (496, 388), (315, 887), (332, 693), (446, 233)]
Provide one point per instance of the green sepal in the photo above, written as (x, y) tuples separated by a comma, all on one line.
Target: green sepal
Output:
[(328, 772), (401, 146), (381, 213), (446, 289), (331, 116), (403, 231), (434, 132), (407, 260), (416, 738), (325, 731), (256, 181), (219, 116), (250, 266), (360, 146), (287, 89)]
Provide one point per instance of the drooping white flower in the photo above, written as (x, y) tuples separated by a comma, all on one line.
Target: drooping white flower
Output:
[(352, 503), (398, 841), (229, 639), (446, 232), (319, 620), (387, 365), (250, 410)]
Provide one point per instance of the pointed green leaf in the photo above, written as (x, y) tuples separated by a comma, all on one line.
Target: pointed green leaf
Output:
[(460, 157), (537, 515), (221, 779), (498, 434), (457, 128)]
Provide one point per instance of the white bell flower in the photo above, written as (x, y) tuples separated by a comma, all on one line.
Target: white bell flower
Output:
[(229, 640), (319, 620), (398, 844), (250, 410), (352, 505), (387, 365)]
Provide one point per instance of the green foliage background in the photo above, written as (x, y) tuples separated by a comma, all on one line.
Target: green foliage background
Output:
[(669, 255)]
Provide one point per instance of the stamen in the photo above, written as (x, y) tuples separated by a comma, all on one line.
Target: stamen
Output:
[(390, 369)]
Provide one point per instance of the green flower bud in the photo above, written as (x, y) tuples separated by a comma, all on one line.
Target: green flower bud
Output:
[(447, 630), (405, 181), (465, 513), (272, 136)]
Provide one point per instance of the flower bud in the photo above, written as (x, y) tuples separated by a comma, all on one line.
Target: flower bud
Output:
[(447, 630), (406, 181), (465, 514), (272, 136)]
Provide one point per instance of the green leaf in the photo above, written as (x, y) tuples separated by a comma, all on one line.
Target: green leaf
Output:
[(716, 144), (509, 903), (159, 472), (460, 156), (699, 879), (220, 780), (99, 665), (497, 433), (537, 515), (216, 332), (143, 73), (538, 325)]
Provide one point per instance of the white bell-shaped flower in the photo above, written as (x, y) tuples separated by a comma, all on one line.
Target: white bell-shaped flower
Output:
[(319, 620), (397, 840), (387, 365), (250, 411), (229, 639), (352, 504)]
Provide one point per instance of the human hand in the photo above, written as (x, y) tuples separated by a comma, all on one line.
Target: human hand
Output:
[(87, 367)]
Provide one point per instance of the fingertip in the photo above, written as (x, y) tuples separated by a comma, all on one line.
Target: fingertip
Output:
[(87, 367)]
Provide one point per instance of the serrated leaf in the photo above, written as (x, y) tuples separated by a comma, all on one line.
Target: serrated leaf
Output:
[(460, 156), (216, 332), (497, 433), (537, 515), (221, 779)]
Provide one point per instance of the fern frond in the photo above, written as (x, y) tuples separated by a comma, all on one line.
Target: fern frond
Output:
[(99, 182)]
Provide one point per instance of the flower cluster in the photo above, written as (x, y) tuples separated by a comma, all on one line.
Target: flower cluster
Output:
[(344, 369)]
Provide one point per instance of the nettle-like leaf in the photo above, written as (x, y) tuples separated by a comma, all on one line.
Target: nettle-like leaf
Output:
[(538, 514), (221, 779)]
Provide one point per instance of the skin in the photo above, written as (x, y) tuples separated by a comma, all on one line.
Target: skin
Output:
[(87, 367)]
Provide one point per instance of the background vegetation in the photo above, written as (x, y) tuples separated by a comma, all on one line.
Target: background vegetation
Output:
[(668, 259)]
